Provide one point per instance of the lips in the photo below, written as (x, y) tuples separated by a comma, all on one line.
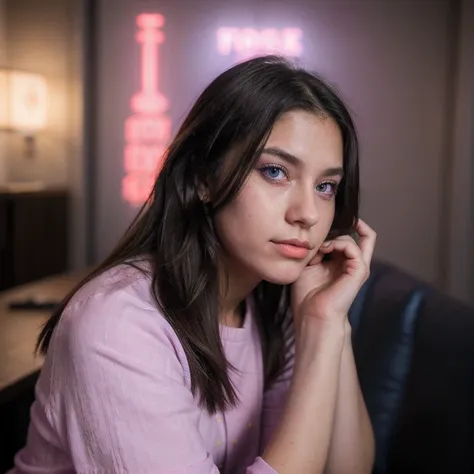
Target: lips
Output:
[(294, 248), (296, 243)]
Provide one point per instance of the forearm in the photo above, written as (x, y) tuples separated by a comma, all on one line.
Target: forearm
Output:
[(352, 446), (301, 442)]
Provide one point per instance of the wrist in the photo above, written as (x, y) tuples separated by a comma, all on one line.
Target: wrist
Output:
[(329, 325), (317, 337), (348, 330)]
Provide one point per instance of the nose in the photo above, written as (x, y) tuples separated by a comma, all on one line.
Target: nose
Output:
[(303, 207)]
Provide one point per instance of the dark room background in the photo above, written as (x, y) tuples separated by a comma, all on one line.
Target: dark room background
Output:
[(405, 67)]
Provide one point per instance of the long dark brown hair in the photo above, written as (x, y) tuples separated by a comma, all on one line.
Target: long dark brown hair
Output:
[(175, 228)]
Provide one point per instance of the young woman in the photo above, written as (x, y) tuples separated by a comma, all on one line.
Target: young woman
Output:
[(215, 337)]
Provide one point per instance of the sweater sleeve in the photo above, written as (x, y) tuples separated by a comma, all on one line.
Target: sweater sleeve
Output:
[(121, 399)]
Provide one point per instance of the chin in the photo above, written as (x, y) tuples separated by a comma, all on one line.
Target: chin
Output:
[(283, 274)]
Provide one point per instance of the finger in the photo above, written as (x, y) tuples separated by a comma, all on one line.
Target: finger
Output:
[(367, 240), (340, 238), (347, 247), (349, 255), (346, 237)]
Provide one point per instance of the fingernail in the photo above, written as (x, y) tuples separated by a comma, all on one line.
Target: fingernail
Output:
[(327, 243)]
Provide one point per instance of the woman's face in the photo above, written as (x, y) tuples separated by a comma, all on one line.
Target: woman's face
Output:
[(289, 196)]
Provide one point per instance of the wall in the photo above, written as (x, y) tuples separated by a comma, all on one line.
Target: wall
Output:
[(457, 227), (3, 62), (405, 68), (38, 41), (46, 37), (389, 59)]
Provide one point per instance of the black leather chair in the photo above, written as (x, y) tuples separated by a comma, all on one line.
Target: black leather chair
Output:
[(414, 349)]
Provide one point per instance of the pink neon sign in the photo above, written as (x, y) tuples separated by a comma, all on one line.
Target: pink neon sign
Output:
[(148, 129), (248, 42)]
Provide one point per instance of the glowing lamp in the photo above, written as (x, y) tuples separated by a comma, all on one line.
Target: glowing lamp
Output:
[(23, 101)]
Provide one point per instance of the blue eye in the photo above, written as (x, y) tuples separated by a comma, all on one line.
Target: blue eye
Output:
[(328, 187), (273, 173)]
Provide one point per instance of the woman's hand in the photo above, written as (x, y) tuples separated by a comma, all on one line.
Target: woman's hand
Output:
[(326, 289)]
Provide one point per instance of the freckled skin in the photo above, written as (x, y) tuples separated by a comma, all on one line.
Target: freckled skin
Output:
[(276, 204)]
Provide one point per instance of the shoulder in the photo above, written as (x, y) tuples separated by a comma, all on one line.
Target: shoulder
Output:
[(122, 279), (115, 319)]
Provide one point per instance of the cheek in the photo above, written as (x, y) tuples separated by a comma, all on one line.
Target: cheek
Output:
[(329, 217), (248, 217), (326, 219), (233, 224), (264, 203)]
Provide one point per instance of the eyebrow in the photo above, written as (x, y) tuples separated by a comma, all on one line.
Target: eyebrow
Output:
[(294, 160)]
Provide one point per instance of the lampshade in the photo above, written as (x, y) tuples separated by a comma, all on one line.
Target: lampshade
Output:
[(23, 101)]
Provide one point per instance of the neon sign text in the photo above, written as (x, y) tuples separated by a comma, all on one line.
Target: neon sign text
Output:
[(148, 129), (248, 42)]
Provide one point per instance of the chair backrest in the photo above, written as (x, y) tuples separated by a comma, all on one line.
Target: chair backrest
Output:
[(414, 350)]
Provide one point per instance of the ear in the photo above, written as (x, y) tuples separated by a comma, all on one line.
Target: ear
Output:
[(203, 191)]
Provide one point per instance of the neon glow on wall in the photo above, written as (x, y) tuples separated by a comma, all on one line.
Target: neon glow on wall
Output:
[(148, 128), (248, 42)]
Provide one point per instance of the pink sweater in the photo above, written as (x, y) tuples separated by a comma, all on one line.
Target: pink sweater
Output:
[(114, 393)]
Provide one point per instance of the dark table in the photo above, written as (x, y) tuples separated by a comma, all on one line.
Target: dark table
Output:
[(19, 330)]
